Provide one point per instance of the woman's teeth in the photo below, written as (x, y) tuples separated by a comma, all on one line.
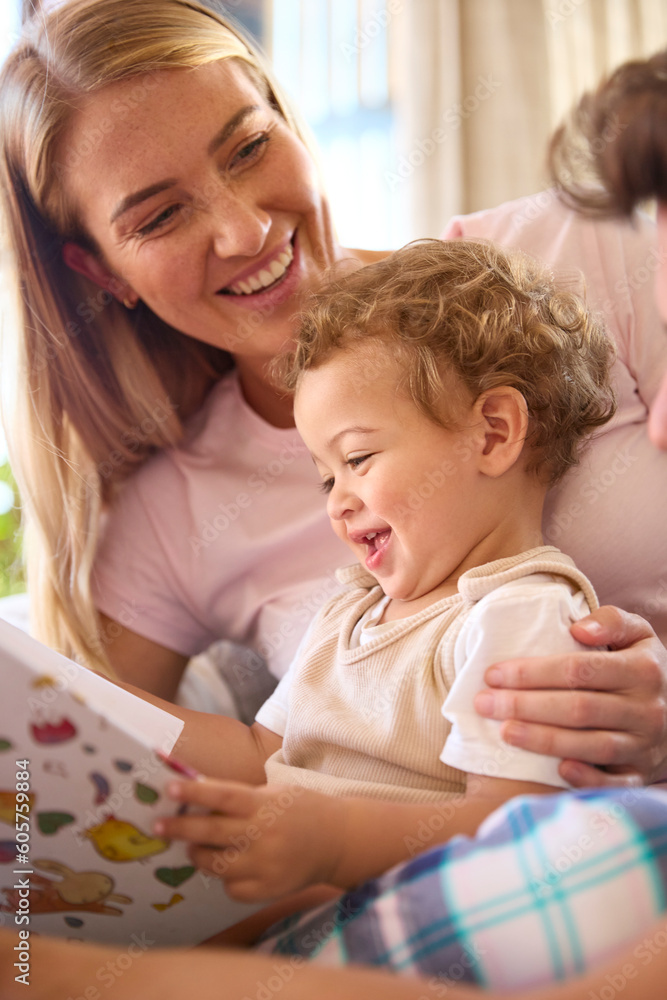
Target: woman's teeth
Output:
[(266, 276)]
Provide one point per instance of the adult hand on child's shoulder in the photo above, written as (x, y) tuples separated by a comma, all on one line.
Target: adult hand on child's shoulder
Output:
[(603, 711)]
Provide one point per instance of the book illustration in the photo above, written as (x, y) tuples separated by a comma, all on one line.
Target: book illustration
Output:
[(56, 767), (175, 876), (146, 794), (8, 851), (50, 822), (97, 781), (117, 840), (89, 891), (8, 806), (161, 907), (101, 787), (53, 732)]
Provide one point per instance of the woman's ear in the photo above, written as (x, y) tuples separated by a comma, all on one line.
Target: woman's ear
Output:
[(504, 424), (86, 263)]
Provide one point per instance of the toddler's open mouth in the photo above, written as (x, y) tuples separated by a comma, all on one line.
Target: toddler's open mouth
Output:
[(376, 540)]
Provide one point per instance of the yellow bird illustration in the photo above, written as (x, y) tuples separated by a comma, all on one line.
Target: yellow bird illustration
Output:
[(117, 840)]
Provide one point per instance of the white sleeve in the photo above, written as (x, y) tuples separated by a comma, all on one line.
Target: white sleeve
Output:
[(518, 619), (274, 711)]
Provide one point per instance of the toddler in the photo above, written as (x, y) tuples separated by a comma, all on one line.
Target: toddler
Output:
[(440, 391)]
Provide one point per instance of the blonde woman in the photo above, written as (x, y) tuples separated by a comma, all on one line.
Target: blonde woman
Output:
[(166, 218)]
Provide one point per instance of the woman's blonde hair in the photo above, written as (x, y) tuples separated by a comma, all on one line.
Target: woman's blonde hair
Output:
[(96, 388), (465, 316)]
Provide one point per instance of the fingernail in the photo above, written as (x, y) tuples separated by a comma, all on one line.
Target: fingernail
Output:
[(571, 772), (174, 789), (493, 676), (158, 827), (514, 733), (484, 702), (592, 627)]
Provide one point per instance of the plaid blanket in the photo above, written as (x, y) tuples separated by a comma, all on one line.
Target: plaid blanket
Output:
[(550, 886)]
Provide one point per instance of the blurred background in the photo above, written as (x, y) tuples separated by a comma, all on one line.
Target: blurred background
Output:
[(422, 109)]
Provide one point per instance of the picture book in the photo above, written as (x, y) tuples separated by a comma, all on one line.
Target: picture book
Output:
[(82, 781)]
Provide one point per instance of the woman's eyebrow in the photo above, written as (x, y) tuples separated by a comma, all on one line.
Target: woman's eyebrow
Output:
[(138, 196), (218, 139)]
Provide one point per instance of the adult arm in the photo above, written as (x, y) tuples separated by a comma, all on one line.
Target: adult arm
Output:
[(63, 968), (134, 658), (593, 709)]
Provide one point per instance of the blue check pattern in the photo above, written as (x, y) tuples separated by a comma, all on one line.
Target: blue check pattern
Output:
[(550, 886)]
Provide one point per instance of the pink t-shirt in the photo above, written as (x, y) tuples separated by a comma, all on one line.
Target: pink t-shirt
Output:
[(227, 536)]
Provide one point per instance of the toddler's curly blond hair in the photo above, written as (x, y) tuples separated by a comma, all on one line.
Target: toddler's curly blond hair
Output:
[(490, 318)]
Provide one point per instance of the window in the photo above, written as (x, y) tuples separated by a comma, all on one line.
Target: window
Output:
[(334, 58)]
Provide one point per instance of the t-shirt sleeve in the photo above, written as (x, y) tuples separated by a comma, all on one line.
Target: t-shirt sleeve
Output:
[(135, 578), (273, 713), (516, 620)]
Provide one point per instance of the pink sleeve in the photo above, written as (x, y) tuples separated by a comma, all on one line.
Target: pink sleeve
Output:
[(136, 578)]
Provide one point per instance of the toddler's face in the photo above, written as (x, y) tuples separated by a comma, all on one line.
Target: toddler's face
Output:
[(401, 490)]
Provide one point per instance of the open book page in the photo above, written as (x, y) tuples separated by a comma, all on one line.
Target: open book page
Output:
[(80, 789)]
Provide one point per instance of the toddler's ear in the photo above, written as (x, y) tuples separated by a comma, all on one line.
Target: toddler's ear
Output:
[(504, 417)]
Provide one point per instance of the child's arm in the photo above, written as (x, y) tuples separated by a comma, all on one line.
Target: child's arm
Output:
[(216, 744), (266, 842)]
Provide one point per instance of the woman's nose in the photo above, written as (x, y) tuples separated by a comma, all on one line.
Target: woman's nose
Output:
[(342, 502), (240, 226)]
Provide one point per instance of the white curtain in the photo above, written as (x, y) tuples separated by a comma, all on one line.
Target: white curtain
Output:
[(479, 86)]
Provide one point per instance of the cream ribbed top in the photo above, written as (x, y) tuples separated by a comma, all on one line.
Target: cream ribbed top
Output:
[(367, 719)]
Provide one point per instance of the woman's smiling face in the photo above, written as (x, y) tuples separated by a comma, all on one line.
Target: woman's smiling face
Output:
[(202, 201)]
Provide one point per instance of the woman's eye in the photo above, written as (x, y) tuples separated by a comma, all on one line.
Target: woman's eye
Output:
[(355, 462), (251, 149), (159, 220), (326, 486)]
